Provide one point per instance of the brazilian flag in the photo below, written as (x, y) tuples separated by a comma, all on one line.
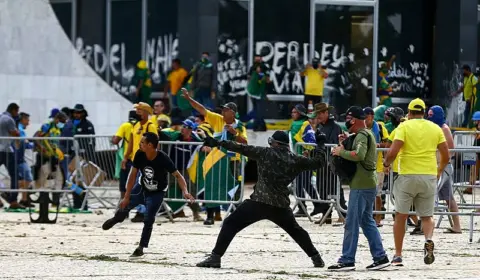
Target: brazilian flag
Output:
[(219, 182)]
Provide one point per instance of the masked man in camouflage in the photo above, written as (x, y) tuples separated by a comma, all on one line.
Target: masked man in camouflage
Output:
[(277, 168)]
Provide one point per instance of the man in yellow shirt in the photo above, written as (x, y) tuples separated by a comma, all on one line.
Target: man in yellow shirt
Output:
[(315, 79), (416, 142), (175, 81), (469, 93), (225, 127), (124, 133), (143, 125)]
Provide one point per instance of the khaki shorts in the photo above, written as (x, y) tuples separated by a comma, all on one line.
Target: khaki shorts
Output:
[(380, 179), (417, 189)]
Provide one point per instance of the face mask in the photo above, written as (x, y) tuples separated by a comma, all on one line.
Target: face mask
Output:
[(76, 122), (60, 125), (348, 124), (139, 117)]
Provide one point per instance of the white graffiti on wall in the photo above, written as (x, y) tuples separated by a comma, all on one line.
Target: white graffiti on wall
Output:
[(408, 78), (287, 60), (160, 52), (231, 68), (456, 105)]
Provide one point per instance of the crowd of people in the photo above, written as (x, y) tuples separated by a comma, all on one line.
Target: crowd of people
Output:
[(418, 158), (53, 157)]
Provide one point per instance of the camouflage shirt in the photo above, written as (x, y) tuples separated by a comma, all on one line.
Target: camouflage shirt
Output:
[(277, 168)]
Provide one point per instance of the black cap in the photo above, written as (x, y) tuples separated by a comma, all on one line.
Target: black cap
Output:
[(230, 105), (79, 108), (281, 137), (356, 112), (301, 109), (368, 111)]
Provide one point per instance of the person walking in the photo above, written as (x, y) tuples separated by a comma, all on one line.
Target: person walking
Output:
[(416, 142)]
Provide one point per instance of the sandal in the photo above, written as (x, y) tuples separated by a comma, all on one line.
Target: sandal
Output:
[(450, 230)]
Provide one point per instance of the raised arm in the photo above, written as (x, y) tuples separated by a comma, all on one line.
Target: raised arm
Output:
[(316, 160), (197, 106)]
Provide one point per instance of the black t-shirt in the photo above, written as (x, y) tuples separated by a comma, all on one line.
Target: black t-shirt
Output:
[(154, 173)]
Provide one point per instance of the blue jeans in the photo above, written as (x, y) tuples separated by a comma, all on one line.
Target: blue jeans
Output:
[(360, 214), (203, 96), (152, 200), (466, 114), (257, 113), (10, 162)]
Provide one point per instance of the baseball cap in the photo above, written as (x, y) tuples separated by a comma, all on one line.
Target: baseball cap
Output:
[(416, 104), (230, 105), (189, 124), (54, 112), (356, 112), (368, 111)]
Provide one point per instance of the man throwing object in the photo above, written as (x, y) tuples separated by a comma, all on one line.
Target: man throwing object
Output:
[(277, 168)]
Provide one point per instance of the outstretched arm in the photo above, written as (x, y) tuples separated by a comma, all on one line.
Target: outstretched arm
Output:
[(316, 160), (253, 152), (197, 106)]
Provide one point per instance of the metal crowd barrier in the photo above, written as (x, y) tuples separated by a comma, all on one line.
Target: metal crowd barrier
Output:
[(322, 187), (222, 184), (463, 160), (213, 176), (37, 168)]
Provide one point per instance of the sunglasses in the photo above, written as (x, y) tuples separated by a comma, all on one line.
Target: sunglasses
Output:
[(186, 126)]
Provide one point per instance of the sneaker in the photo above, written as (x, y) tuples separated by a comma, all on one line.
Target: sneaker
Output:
[(212, 261), (342, 267), (397, 261), (208, 222), (109, 223), (138, 218), (429, 258), (380, 264), (417, 231), (317, 261), (137, 253)]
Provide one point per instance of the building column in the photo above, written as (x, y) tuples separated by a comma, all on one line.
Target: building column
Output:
[(197, 29), (455, 44)]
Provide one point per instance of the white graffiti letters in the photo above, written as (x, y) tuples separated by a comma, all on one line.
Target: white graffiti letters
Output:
[(160, 53)]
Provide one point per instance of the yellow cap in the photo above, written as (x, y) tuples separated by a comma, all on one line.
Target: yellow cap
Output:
[(416, 104), (143, 106)]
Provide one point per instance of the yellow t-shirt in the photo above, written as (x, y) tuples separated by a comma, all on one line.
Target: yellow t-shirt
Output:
[(217, 123), (469, 88), (380, 154), (418, 154), (314, 82), (138, 131), (176, 78), (125, 132), (395, 162)]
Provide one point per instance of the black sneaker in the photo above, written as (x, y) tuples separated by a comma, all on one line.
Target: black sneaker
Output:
[(429, 258), (138, 253), (109, 223), (208, 222), (317, 261), (417, 231), (380, 264), (212, 261), (397, 261), (342, 267), (138, 218)]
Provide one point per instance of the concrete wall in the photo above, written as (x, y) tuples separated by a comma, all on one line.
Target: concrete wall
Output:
[(41, 69)]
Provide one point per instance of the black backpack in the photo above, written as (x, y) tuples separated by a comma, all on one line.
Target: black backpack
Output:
[(345, 169)]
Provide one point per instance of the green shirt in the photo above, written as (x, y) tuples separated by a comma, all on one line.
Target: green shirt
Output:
[(366, 157), (256, 86)]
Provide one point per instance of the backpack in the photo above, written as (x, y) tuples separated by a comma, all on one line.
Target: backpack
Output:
[(343, 168)]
